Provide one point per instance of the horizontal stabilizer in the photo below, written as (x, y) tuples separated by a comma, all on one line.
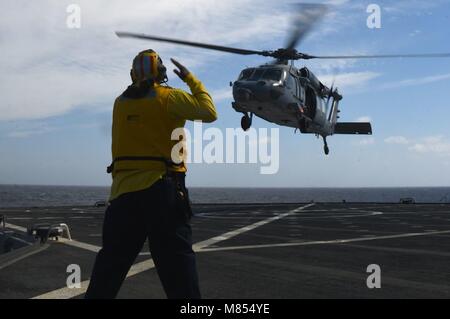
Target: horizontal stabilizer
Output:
[(353, 128)]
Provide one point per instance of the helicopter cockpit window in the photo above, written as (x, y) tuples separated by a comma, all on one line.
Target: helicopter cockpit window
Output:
[(256, 75), (272, 74), (245, 74)]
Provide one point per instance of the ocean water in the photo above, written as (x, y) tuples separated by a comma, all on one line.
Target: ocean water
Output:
[(38, 196)]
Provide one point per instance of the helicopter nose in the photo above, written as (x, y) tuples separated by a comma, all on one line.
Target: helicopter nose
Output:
[(243, 95)]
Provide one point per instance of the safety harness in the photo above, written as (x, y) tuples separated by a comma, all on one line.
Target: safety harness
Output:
[(166, 161)]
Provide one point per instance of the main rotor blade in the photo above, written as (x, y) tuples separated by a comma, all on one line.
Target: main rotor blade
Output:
[(309, 14), (426, 55), (192, 44)]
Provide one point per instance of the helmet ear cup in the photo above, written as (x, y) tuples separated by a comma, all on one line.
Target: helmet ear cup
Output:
[(162, 71), (133, 76)]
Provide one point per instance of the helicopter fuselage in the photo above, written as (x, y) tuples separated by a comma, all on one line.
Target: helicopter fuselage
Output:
[(287, 96), (282, 94)]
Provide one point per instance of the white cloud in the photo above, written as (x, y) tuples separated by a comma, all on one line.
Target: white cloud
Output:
[(48, 69), (23, 129), (437, 144), (411, 7), (363, 119), (222, 94), (415, 33), (432, 144), (337, 2), (396, 140), (367, 141), (350, 80), (31, 132), (332, 67), (417, 81)]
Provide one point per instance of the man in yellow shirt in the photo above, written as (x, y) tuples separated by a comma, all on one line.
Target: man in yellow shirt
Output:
[(148, 198)]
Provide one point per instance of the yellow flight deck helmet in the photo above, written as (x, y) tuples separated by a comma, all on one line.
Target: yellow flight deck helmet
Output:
[(147, 65)]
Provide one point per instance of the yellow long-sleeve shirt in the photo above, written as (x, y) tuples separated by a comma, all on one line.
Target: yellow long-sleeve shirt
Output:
[(181, 106)]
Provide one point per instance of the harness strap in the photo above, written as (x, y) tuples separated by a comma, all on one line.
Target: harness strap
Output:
[(166, 161)]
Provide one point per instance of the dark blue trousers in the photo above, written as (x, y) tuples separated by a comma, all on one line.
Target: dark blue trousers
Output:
[(157, 215)]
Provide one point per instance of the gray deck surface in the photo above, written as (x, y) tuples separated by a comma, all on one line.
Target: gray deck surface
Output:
[(260, 251)]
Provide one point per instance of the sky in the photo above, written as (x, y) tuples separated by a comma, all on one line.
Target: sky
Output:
[(58, 85)]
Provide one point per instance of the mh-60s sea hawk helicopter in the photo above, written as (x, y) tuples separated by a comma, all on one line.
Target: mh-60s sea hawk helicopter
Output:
[(280, 93)]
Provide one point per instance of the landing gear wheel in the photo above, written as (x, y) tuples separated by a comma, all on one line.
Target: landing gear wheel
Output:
[(246, 122), (325, 146)]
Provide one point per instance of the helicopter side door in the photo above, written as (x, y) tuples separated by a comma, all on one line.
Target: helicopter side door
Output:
[(297, 91), (291, 84), (300, 93), (321, 115)]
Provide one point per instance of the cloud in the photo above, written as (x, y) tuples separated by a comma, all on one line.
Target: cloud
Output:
[(411, 7), (363, 119), (415, 33), (367, 141), (417, 81), (331, 67), (396, 140), (350, 80), (222, 94), (49, 69), (432, 144), (24, 129), (437, 144), (30, 132), (337, 2)]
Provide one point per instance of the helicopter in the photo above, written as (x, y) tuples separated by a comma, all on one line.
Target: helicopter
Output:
[(280, 93)]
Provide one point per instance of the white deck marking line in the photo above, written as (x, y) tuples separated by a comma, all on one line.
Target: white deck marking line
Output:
[(327, 242), (28, 251), (73, 243), (79, 244), (17, 238), (15, 227), (365, 214), (401, 250), (203, 244), (66, 293)]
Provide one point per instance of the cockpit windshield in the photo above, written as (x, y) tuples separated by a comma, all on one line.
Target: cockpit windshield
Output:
[(272, 74), (256, 74), (245, 74)]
